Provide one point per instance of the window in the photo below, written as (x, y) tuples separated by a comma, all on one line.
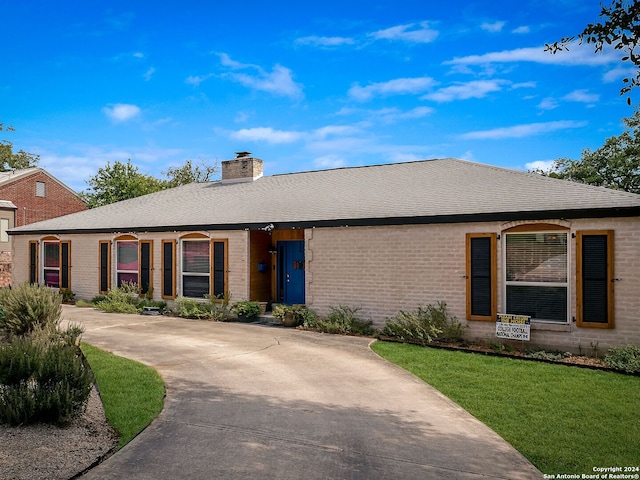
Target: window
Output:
[(195, 268), (134, 261), (4, 226), (126, 262), (204, 267), (536, 275), (594, 279), (55, 264), (51, 255), (481, 276), (41, 189)]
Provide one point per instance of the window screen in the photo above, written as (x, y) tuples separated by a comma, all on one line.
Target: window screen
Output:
[(536, 275)]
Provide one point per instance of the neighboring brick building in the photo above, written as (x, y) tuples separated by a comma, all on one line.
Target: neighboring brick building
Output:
[(383, 238), (38, 195), (33, 195)]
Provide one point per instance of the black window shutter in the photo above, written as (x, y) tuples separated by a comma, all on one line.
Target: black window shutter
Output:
[(481, 276), (104, 267), (145, 266), (218, 269), (167, 269), (595, 281), (64, 265), (33, 262)]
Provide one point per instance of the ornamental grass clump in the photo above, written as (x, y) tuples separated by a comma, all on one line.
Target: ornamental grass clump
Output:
[(27, 307), (43, 376)]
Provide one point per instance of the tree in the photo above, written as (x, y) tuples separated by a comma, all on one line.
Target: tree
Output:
[(614, 165), (10, 160), (620, 27), (189, 173), (120, 181)]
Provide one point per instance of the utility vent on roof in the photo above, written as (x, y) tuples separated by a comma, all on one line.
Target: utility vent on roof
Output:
[(243, 168)]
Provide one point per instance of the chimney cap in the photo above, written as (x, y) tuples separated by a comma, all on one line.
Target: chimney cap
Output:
[(243, 154)]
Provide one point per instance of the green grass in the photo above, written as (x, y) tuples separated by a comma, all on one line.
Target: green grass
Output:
[(132, 393), (563, 419)]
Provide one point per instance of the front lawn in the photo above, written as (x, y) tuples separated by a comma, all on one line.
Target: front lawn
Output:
[(565, 420), (132, 393)]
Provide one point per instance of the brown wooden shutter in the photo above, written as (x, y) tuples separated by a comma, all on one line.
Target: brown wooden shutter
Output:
[(594, 279)]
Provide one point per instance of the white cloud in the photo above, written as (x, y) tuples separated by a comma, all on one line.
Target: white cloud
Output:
[(329, 161), (548, 103), (138, 54), (149, 73), (578, 55), (617, 73), (267, 134), (520, 131), (316, 41), (521, 29), (582, 96), (464, 91), (196, 80), (121, 112), (492, 27), (410, 32), (544, 165), (398, 86), (278, 82)]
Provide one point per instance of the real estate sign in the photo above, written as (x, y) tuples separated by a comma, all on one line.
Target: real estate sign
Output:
[(515, 327)]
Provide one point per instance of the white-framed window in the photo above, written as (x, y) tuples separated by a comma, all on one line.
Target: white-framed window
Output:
[(41, 189), (196, 269), (126, 262), (51, 263), (537, 275)]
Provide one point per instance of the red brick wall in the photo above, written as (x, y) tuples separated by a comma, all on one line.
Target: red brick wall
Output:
[(58, 199)]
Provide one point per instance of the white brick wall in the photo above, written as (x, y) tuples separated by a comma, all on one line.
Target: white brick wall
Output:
[(386, 269), (85, 260)]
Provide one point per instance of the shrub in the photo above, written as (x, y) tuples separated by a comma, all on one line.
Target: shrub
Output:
[(341, 320), (119, 300), (424, 325), (192, 308), (626, 359), (28, 306), (43, 377), (299, 313), (246, 308)]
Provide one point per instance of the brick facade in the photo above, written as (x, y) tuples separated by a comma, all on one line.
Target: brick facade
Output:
[(389, 268), (386, 269), (58, 199)]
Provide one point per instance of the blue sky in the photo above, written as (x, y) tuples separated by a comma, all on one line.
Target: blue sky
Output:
[(302, 85)]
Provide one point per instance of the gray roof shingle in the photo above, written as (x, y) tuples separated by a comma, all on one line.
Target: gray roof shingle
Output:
[(413, 192)]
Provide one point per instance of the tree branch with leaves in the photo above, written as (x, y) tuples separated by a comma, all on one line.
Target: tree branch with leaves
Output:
[(620, 28)]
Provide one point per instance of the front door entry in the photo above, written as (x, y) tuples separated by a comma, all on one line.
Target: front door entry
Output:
[(291, 271)]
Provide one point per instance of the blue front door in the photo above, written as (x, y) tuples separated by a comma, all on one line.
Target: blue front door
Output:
[(291, 271)]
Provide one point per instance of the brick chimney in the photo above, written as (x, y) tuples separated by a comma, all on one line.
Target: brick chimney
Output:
[(243, 168)]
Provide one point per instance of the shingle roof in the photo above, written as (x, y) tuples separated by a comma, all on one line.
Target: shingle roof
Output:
[(440, 190), (11, 175)]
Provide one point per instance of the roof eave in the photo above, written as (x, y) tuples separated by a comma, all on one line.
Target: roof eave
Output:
[(613, 212)]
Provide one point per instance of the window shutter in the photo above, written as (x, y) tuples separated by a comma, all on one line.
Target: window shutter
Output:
[(146, 261), (168, 269), (219, 268), (33, 262), (65, 267), (105, 267), (481, 276), (594, 283)]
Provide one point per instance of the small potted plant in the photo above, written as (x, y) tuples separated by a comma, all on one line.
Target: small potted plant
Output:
[(246, 310)]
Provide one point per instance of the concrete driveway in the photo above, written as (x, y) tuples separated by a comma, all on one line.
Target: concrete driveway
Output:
[(258, 401)]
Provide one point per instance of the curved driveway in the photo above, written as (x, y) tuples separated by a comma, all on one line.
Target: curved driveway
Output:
[(259, 401)]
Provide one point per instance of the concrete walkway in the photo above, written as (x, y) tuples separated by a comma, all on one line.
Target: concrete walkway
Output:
[(256, 401)]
